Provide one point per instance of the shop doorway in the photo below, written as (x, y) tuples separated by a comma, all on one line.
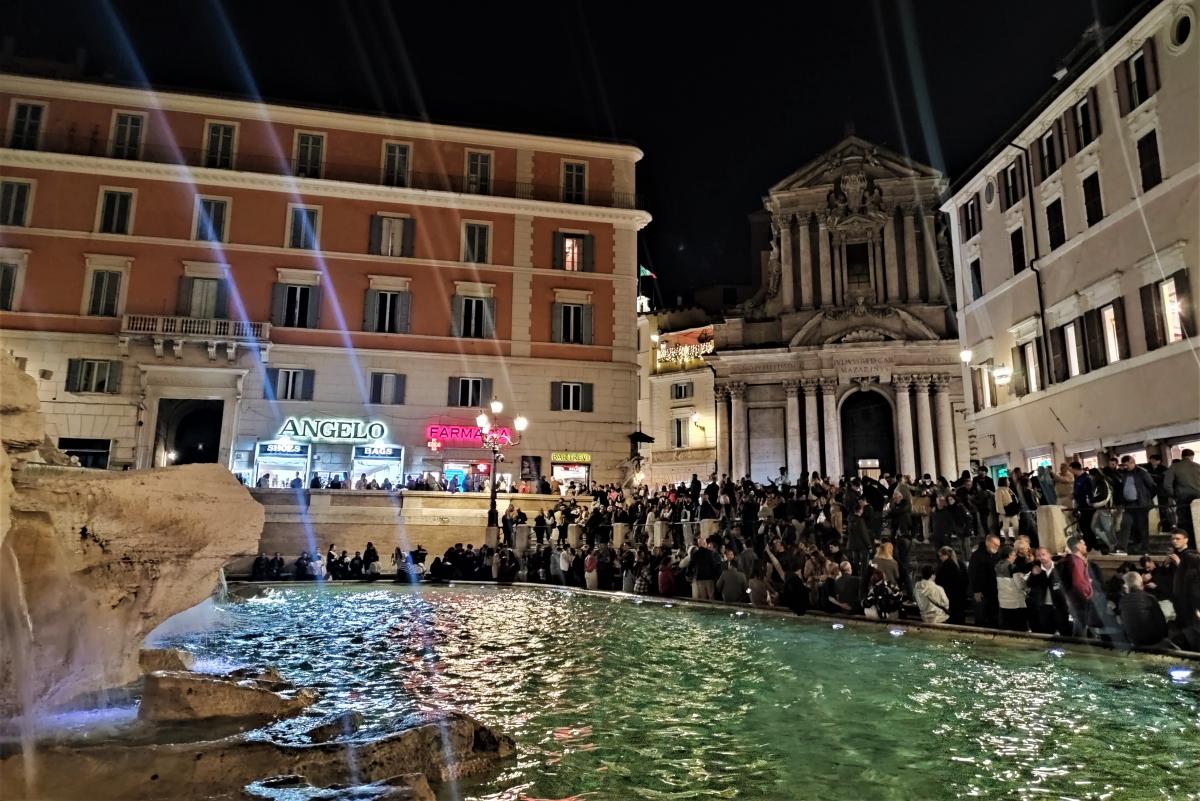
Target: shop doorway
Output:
[(868, 436), (188, 431)]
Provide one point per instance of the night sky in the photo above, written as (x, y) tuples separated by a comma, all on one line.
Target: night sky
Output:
[(724, 103)]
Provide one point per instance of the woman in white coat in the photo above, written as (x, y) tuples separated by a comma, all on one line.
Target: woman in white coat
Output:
[(931, 598)]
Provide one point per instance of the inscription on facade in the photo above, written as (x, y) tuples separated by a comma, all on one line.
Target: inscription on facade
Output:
[(863, 367)]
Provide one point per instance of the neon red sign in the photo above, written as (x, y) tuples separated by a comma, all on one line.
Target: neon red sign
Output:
[(460, 435)]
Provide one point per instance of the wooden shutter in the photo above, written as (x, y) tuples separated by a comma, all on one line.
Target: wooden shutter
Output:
[(314, 307), (1183, 296), (271, 385), (399, 386), (377, 387), (409, 237), (485, 392), (371, 310), (1060, 148), (1121, 77), (456, 315), (489, 318), (556, 396), (1020, 386), (589, 254), (587, 398), (1058, 355), (221, 308), (1002, 187), (278, 303), (1020, 177), (1070, 134), (1122, 332), (1039, 345), (112, 289), (403, 312), (1035, 154), (375, 240), (1094, 335), (1152, 316), (991, 379), (1151, 62), (1094, 112), (558, 251), (113, 387), (309, 380), (183, 302), (452, 396), (977, 388), (586, 319), (74, 369), (8, 286), (1081, 356), (556, 326)]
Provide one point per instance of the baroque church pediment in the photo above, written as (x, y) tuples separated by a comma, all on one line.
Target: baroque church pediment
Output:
[(862, 323), (867, 162)]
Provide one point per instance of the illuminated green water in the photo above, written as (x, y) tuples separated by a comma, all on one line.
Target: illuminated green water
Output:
[(626, 701)]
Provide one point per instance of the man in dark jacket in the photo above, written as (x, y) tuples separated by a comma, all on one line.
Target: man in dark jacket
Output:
[(1186, 592), (1047, 603), (1138, 492), (859, 542), (1081, 493), (1141, 616), (981, 573), (942, 527)]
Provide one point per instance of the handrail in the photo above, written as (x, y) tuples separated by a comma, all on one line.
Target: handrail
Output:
[(199, 327)]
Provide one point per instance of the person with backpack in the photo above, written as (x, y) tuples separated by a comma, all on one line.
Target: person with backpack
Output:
[(1008, 509), (1100, 501), (883, 599)]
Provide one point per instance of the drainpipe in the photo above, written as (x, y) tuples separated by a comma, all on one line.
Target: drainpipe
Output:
[(1043, 353)]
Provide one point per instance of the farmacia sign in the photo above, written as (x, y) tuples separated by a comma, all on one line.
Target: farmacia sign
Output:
[(325, 429)]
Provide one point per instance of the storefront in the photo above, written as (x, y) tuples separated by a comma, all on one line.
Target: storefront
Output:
[(568, 466), (377, 463), (327, 448), (277, 463)]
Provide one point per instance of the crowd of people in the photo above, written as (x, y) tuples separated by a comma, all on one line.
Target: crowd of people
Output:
[(847, 548)]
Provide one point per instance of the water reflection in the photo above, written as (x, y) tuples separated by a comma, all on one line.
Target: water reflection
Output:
[(617, 700)]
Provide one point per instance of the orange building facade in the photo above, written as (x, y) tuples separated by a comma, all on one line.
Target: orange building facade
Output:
[(296, 292)]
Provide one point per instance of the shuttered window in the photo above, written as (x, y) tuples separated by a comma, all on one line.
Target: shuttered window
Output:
[(469, 392), (1055, 227), (116, 209), (1016, 241), (1148, 162), (14, 202), (387, 388), (1093, 203), (387, 311), (105, 293), (210, 219), (296, 305)]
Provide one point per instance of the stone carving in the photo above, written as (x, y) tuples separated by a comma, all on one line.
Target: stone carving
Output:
[(902, 381), (863, 335), (791, 387), (829, 385), (810, 385), (737, 389), (940, 382), (860, 309), (771, 281)]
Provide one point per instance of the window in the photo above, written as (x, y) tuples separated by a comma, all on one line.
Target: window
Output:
[(210, 219), (574, 182), (1110, 331), (387, 388), (573, 253), (680, 427), (971, 217), (14, 202), (1016, 240), (1049, 153), (93, 375), (1084, 131), (92, 453), (984, 386), (571, 315), (204, 298), (572, 397), (127, 136), (479, 173), (289, 384), (475, 242), (1092, 202), (1166, 310), (297, 306), (391, 236), (1032, 366), (474, 313), (116, 211), (218, 145), (466, 392), (105, 293), (1139, 83), (8, 286), (976, 280), (1172, 311), (1147, 151), (26, 126), (1054, 224), (309, 150), (681, 390), (1014, 184), (302, 227), (389, 311), (395, 164), (1071, 343)]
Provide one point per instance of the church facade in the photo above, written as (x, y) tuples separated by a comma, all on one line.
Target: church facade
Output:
[(846, 361)]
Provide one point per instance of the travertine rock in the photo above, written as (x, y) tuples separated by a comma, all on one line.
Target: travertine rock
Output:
[(22, 427), (181, 695), (152, 659), (409, 787)]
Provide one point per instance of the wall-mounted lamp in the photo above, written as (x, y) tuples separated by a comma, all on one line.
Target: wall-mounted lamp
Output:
[(696, 420), (654, 337), (965, 355)]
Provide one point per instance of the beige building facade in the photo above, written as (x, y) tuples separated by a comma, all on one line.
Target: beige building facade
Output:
[(1075, 247)]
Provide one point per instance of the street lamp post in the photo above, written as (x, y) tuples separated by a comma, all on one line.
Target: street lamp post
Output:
[(496, 440)]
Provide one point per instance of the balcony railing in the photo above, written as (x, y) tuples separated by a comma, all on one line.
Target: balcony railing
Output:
[(75, 144), (198, 327)]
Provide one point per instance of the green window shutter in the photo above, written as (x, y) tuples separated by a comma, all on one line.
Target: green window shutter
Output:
[(398, 389), (370, 310), (403, 312), (489, 318), (589, 254), (485, 392), (377, 387), (278, 303), (306, 387), (1152, 316), (375, 240), (74, 368), (221, 308), (452, 395), (556, 322), (114, 378), (556, 396), (409, 234), (456, 315), (587, 398), (183, 303), (314, 306), (557, 251), (586, 319)]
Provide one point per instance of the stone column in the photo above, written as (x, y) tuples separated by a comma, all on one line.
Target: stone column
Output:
[(932, 273), (787, 285), (843, 274), (805, 300), (835, 269), (620, 533), (826, 268), (812, 425), (871, 270), (890, 264), (833, 438), (795, 463), (925, 426), (913, 288), (721, 393), (740, 437), (904, 432), (947, 464)]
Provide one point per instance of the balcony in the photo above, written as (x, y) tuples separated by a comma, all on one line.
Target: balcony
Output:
[(209, 333), (73, 144)]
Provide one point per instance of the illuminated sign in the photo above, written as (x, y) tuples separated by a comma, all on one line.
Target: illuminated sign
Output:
[(461, 435), (318, 429), (573, 457), (378, 452), (283, 449)]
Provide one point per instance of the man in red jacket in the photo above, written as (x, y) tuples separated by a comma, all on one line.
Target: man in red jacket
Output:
[(1077, 583)]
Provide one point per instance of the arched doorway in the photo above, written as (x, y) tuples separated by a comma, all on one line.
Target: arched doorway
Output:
[(868, 434), (189, 431)]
